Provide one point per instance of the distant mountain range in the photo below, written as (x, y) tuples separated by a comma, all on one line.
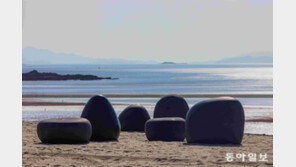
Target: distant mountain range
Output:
[(34, 56), (246, 59)]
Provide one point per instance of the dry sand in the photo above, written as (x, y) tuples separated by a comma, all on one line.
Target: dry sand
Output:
[(133, 149)]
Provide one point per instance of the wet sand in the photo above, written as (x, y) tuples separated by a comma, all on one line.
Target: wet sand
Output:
[(124, 95), (133, 149), (45, 103), (41, 103)]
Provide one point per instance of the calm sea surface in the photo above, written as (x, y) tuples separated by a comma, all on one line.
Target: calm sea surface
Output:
[(155, 79)]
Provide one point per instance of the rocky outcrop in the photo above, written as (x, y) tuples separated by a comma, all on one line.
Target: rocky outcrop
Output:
[(34, 75)]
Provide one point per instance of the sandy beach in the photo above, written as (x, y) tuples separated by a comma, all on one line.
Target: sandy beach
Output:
[(133, 149)]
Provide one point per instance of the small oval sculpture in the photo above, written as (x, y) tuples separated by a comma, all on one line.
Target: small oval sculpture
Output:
[(133, 118), (64, 130), (105, 124), (171, 106), (216, 121), (165, 129)]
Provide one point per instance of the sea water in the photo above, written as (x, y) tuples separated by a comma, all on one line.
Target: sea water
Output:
[(155, 79)]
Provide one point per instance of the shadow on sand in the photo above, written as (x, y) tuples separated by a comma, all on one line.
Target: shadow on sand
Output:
[(62, 143), (213, 145), (85, 143), (134, 131), (104, 141)]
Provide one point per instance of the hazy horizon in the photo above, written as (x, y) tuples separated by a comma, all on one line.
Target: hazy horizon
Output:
[(35, 56), (175, 31)]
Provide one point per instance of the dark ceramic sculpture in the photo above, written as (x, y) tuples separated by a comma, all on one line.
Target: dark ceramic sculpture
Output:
[(165, 129), (216, 121), (64, 130), (100, 113), (133, 118), (171, 106)]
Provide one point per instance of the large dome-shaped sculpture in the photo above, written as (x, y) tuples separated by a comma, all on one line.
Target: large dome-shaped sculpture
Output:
[(171, 106), (64, 130), (216, 121), (133, 118), (100, 113)]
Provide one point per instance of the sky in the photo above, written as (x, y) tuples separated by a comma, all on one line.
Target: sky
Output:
[(162, 30)]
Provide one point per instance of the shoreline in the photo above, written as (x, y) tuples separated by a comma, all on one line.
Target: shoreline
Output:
[(150, 95), (35, 101), (41, 103)]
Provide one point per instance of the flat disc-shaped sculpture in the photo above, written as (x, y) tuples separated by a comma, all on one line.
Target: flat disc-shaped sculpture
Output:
[(171, 106), (133, 118), (165, 129), (100, 113), (216, 121), (64, 130)]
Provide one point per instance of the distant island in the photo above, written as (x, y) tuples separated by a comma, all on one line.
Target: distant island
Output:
[(166, 62), (34, 75)]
